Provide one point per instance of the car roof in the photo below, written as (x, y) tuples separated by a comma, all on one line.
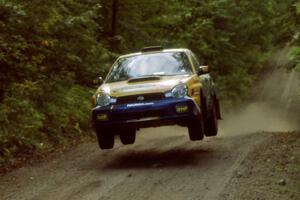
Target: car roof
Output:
[(155, 51)]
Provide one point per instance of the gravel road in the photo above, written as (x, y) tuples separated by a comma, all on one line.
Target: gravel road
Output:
[(162, 164)]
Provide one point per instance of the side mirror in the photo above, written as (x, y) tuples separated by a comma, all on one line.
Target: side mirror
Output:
[(98, 81), (203, 70)]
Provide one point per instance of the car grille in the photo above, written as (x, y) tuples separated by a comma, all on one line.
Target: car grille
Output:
[(140, 98), (139, 115)]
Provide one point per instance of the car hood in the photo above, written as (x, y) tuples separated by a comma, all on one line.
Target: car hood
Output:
[(125, 88)]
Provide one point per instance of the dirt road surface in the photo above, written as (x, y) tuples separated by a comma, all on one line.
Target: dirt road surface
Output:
[(162, 164)]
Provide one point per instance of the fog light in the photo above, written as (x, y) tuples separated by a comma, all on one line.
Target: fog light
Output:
[(182, 108), (102, 117)]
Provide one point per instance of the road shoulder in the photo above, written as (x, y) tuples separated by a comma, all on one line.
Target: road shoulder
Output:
[(271, 171)]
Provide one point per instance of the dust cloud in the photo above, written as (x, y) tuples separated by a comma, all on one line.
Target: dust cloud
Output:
[(257, 117), (275, 104)]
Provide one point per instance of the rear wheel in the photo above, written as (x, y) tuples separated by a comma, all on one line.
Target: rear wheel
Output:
[(128, 136), (196, 130), (212, 123), (106, 139)]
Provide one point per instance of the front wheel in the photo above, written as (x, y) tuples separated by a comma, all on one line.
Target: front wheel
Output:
[(196, 130), (128, 136), (106, 139)]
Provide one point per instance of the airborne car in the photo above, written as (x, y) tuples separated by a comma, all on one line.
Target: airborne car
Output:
[(152, 88)]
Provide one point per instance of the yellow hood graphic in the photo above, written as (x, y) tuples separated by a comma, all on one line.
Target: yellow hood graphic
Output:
[(125, 88)]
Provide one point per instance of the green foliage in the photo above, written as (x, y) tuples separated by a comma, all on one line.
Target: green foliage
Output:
[(31, 122), (294, 56), (295, 52), (298, 8), (47, 48), (292, 17), (49, 37), (233, 46)]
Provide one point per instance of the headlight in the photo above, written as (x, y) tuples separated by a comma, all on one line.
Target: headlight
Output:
[(103, 99), (178, 91)]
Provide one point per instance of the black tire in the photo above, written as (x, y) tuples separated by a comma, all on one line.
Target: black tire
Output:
[(196, 130), (128, 136), (203, 109), (211, 128), (106, 139)]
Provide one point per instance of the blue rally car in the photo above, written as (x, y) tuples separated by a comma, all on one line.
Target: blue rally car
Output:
[(152, 88)]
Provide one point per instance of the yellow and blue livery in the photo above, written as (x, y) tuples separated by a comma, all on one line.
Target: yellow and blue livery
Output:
[(155, 87)]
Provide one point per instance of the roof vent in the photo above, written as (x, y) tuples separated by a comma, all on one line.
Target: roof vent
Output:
[(153, 48)]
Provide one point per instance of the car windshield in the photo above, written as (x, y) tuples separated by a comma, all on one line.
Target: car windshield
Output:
[(154, 64)]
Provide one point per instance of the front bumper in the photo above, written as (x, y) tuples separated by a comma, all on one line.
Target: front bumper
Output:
[(147, 114)]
